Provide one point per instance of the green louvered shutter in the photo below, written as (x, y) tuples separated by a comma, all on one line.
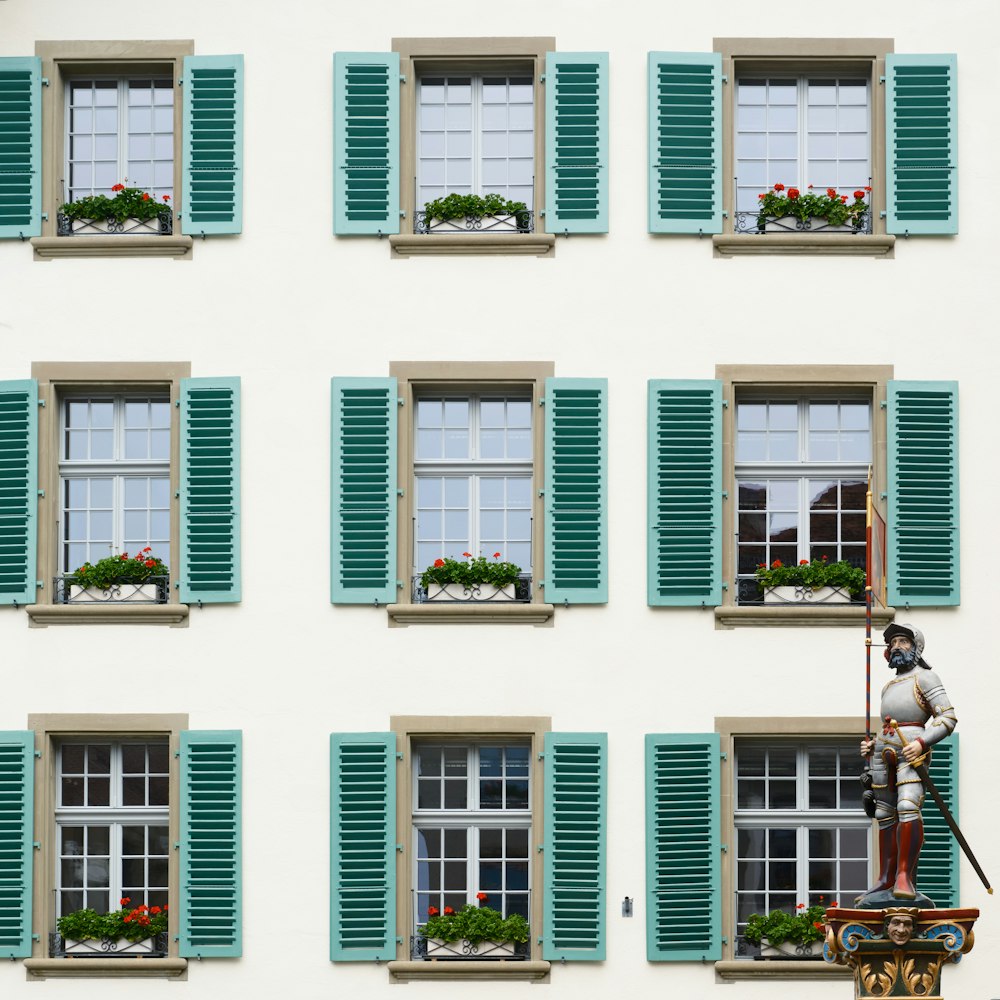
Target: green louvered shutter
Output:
[(362, 847), (939, 858), (17, 797), (683, 866), (212, 192), (684, 555), (923, 544), (576, 470), (365, 143), (921, 144), (211, 923), (685, 142), (576, 142), (576, 804), (18, 490), (363, 495), (20, 146), (210, 490)]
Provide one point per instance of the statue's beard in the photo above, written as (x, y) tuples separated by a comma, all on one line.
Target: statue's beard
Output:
[(902, 659)]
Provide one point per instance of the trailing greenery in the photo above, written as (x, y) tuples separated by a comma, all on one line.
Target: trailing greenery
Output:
[(474, 924), (473, 571), (802, 927), (461, 206), (132, 923), (119, 569), (128, 203), (831, 206), (815, 574)]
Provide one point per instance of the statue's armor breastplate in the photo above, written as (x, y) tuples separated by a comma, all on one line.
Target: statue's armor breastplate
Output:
[(903, 700)]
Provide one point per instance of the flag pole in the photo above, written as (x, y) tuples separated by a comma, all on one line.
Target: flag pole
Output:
[(868, 608)]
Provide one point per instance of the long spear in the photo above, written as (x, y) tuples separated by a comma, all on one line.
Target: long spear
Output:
[(868, 608)]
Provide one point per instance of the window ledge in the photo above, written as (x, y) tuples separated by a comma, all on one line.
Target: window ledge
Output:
[(43, 615), (501, 245), (105, 968), (51, 247), (799, 244), (790, 616), (406, 972), (775, 968), (458, 613)]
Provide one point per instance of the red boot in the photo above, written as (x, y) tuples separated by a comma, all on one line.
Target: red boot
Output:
[(911, 839), (887, 855)]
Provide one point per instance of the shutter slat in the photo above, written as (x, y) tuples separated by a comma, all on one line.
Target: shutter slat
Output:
[(366, 143), (939, 857), (20, 147), (363, 491), (921, 144), (362, 847), (211, 843), (923, 538), (18, 490), (575, 846), (17, 784), (212, 201), (210, 490), (684, 548), (576, 142), (685, 142), (683, 877), (576, 544)]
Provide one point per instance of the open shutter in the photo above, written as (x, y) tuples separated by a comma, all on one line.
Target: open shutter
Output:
[(365, 143), (685, 142), (576, 469), (210, 490), (939, 858), (576, 801), (212, 192), (363, 491), (211, 923), (362, 847), (576, 142), (20, 146), (18, 490), (17, 798), (684, 554), (921, 144), (683, 877), (923, 493)]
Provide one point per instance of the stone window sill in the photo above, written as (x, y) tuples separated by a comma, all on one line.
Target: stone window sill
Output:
[(406, 972), (788, 616), (501, 245), (51, 247), (775, 968), (458, 613), (105, 968), (799, 244), (43, 615)]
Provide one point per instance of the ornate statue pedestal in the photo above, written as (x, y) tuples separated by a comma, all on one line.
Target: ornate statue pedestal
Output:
[(898, 951)]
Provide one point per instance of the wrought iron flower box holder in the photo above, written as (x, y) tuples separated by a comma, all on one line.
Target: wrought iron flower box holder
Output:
[(152, 590), (487, 225), (159, 225), (749, 223), (151, 947), (518, 592), (799, 594), (463, 950)]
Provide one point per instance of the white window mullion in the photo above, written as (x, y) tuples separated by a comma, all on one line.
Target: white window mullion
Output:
[(477, 135), (122, 131)]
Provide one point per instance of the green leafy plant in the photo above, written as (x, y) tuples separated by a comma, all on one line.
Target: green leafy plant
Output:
[(462, 206), (815, 574), (835, 208), (474, 924), (119, 569), (802, 927), (132, 923), (128, 203), (474, 570)]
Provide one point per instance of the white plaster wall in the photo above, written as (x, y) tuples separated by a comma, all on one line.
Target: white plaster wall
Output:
[(286, 305)]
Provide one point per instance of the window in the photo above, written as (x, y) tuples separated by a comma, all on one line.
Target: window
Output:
[(801, 833), (112, 821), (801, 476), (472, 826)]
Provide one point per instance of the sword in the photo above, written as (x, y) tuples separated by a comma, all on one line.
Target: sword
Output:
[(921, 768)]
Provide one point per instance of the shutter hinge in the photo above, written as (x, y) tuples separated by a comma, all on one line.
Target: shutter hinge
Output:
[(725, 586), (541, 79), (39, 584), (542, 212), (725, 940), (41, 402), (45, 216), (541, 493), (401, 401), (399, 755), (883, 495), (725, 494), (541, 755), (541, 583), (36, 937), (541, 847), (402, 78), (177, 402), (725, 78), (399, 848), (399, 940), (177, 754), (540, 940), (38, 753), (884, 405), (400, 493), (724, 848), (881, 79), (723, 755), (399, 584), (45, 81), (541, 401), (882, 215), (725, 215), (725, 404), (36, 844), (177, 493), (177, 845), (41, 493), (180, 82)]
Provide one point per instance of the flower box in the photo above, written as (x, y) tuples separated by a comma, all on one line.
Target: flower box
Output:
[(806, 595), (791, 224), (111, 227), (109, 947), (471, 224), (140, 593), (436, 948), (474, 592), (791, 949)]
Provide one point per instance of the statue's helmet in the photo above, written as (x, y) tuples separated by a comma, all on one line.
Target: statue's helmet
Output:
[(908, 631)]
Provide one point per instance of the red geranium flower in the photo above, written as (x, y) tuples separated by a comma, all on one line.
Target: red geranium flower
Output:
[(124, 555), (793, 193), (776, 564), (858, 195), (810, 187), (818, 925), (166, 197), (481, 896), (779, 187), (155, 911), (438, 562), (832, 192), (496, 555), (468, 555), (148, 548), (118, 187), (803, 562), (150, 563), (448, 911), (145, 196), (868, 189), (432, 911), (800, 906), (762, 196), (125, 900), (843, 198)]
